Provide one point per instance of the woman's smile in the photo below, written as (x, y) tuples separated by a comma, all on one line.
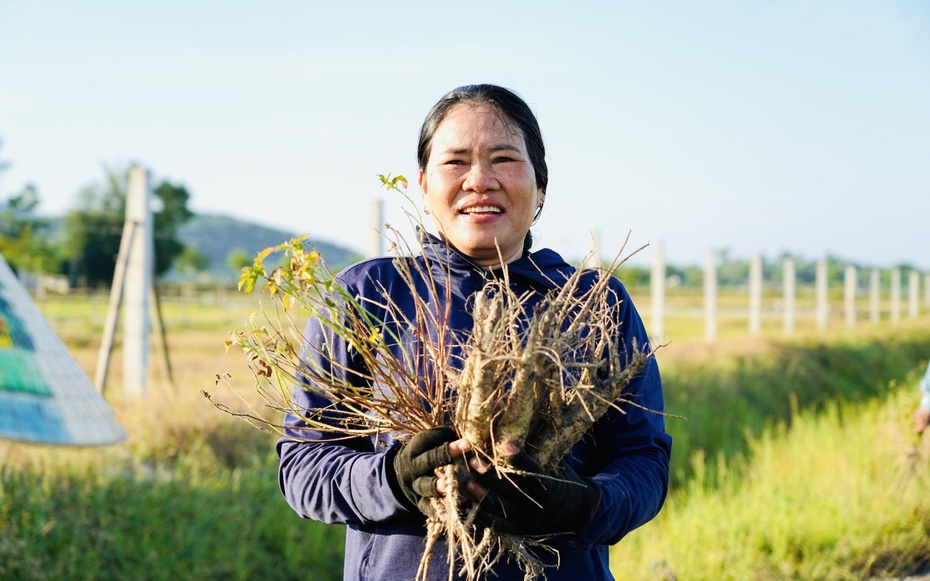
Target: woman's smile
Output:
[(479, 184)]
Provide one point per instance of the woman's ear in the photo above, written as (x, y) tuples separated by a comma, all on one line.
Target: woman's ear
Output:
[(421, 180)]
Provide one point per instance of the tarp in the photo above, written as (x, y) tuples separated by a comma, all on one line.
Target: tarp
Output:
[(45, 397)]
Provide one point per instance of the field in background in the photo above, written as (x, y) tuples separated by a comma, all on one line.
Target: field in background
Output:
[(192, 492)]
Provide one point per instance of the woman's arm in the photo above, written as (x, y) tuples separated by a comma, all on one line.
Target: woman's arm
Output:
[(325, 476), (627, 453)]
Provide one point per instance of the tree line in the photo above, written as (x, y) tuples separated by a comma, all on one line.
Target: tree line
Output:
[(84, 245)]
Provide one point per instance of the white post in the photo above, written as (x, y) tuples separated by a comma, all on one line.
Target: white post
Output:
[(139, 277), (755, 295), (789, 290), (875, 296), (376, 223), (849, 295), (913, 294), (823, 307), (927, 290), (710, 296), (896, 295), (657, 282), (593, 258)]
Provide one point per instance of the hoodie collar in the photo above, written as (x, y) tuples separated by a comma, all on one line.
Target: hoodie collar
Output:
[(544, 267)]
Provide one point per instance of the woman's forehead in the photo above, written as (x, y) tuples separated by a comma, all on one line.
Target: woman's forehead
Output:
[(466, 118)]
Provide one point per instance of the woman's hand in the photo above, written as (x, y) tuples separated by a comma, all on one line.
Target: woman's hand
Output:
[(413, 465), (526, 501)]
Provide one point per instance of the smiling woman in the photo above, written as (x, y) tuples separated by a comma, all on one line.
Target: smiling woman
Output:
[(502, 345), (483, 172)]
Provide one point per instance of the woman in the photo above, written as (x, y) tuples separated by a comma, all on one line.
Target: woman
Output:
[(483, 175)]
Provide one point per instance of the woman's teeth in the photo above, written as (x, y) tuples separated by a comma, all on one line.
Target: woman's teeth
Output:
[(482, 210)]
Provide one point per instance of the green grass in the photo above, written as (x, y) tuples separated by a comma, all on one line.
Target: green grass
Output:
[(839, 495), (793, 463), (733, 392), (185, 509)]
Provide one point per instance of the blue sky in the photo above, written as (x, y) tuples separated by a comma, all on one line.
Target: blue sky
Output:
[(755, 127)]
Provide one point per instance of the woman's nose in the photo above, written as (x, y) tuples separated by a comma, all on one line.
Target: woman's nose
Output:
[(480, 178)]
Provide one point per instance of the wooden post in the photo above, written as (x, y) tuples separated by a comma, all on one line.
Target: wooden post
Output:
[(913, 294), (896, 295), (849, 295), (657, 284), (823, 307), (875, 296), (116, 299), (710, 296), (755, 295), (789, 290)]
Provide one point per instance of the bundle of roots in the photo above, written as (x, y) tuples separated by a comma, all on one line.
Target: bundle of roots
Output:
[(536, 374), (537, 381)]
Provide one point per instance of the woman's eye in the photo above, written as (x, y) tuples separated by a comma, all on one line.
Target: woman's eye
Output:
[(503, 159)]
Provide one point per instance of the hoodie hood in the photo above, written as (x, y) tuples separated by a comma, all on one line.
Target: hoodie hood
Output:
[(544, 267)]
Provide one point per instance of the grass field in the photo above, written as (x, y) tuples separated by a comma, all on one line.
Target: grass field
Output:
[(794, 462)]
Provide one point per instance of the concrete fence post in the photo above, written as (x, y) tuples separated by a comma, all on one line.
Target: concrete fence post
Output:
[(593, 258), (913, 294), (789, 290), (875, 296), (849, 295), (896, 295), (140, 270), (710, 296), (375, 235), (927, 290), (657, 284), (755, 295), (822, 307)]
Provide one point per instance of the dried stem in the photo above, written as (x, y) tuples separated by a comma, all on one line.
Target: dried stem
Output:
[(536, 377)]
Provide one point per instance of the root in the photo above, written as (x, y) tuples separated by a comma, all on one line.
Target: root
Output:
[(536, 379)]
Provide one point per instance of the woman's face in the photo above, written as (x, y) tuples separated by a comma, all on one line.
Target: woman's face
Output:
[(479, 184)]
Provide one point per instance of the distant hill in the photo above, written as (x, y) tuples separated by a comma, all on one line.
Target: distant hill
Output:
[(216, 236)]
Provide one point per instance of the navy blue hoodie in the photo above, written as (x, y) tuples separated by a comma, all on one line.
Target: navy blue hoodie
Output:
[(347, 482)]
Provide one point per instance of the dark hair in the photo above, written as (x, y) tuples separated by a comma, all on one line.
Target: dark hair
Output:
[(505, 101)]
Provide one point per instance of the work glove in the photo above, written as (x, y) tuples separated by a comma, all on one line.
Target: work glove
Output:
[(412, 466), (528, 502)]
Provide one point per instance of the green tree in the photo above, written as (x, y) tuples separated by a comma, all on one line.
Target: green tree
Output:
[(174, 212), (24, 240), (23, 234), (191, 261), (93, 230), (238, 259)]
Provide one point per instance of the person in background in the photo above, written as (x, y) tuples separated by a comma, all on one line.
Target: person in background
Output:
[(483, 176), (922, 413)]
